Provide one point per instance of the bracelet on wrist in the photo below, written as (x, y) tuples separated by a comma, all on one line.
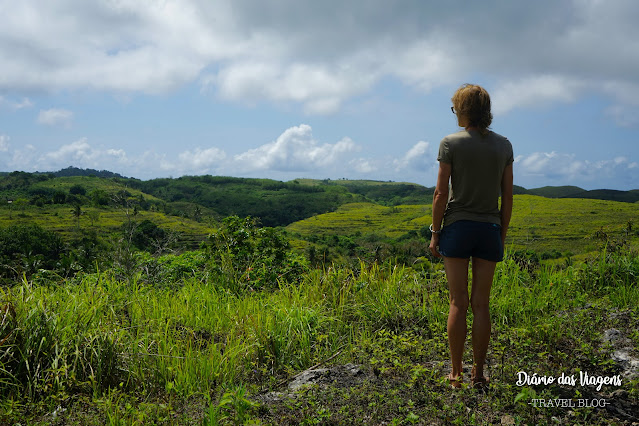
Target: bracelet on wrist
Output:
[(430, 228)]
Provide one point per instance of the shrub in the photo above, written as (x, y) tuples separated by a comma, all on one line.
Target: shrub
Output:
[(27, 248), (252, 257), (77, 190)]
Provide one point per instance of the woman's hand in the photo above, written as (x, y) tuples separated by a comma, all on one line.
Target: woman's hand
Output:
[(434, 242)]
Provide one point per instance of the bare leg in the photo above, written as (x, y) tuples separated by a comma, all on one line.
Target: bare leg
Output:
[(457, 276), (483, 273)]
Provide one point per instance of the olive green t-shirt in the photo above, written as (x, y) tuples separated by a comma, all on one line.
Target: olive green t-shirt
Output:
[(477, 165)]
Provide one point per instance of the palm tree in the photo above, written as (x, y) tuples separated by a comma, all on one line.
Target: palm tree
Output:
[(77, 212)]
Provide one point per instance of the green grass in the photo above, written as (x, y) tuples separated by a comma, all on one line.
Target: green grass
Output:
[(365, 218), (95, 349), (566, 224), (90, 184), (538, 223), (60, 218), (106, 351)]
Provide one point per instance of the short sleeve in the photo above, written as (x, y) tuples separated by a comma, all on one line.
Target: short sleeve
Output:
[(444, 152), (509, 153)]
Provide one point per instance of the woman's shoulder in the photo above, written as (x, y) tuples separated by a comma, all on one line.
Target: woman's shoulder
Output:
[(457, 136), (498, 137)]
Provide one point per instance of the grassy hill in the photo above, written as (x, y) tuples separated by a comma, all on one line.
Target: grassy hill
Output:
[(365, 218), (309, 208), (60, 218), (97, 350), (567, 224), (538, 223), (608, 194), (381, 192), (214, 336), (555, 191), (275, 203)]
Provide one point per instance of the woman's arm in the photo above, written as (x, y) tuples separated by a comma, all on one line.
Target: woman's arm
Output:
[(440, 199), (506, 200)]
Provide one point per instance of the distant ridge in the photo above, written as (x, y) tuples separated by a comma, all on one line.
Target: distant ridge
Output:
[(75, 171), (608, 194), (556, 191), (631, 196), (382, 192)]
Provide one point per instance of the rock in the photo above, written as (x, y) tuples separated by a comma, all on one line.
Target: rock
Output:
[(507, 419), (627, 362), (622, 354), (307, 377), (613, 336), (340, 376)]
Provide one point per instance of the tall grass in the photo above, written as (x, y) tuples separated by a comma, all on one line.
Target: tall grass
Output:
[(96, 334)]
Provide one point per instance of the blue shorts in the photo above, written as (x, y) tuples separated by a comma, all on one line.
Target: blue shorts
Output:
[(468, 238)]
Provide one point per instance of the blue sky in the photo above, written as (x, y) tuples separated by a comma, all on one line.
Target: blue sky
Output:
[(289, 89)]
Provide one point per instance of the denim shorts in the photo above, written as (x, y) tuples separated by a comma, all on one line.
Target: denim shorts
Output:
[(468, 238)]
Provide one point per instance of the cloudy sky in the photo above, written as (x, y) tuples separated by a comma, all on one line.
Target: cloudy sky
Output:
[(322, 89)]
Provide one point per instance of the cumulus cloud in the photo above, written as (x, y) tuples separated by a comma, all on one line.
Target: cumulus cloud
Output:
[(196, 162), (417, 158), (319, 54), (55, 116), (364, 165), (562, 168), (79, 153), (295, 150)]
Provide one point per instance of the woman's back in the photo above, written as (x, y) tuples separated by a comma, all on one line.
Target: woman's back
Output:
[(477, 164)]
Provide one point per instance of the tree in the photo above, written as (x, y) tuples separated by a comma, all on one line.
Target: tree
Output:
[(77, 212), (59, 197), (21, 203), (197, 213), (77, 190), (94, 215), (99, 197)]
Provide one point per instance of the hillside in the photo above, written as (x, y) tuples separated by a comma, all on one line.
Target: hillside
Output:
[(107, 317), (375, 211), (608, 194), (382, 192), (555, 191), (538, 223), (275, 203)]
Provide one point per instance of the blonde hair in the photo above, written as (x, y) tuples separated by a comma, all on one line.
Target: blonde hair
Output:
[(473, 102)]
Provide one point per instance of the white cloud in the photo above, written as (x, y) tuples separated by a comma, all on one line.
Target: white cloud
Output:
[(15, 105), (563, 168), (533, 91), (196, 162), (624, 115), (320, 88), (319, 54), (364, 165), (4, 143), (55, 116), (295, 150), (417, 158), (79, 153)]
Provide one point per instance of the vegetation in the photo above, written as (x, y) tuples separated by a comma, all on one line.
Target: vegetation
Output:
[(273, 203), (99, 350), (118, 306)]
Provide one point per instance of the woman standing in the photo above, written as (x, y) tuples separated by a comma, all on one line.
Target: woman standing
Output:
[(468, 223)]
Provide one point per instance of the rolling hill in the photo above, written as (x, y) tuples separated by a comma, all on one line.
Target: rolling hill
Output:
[(549, 218)]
